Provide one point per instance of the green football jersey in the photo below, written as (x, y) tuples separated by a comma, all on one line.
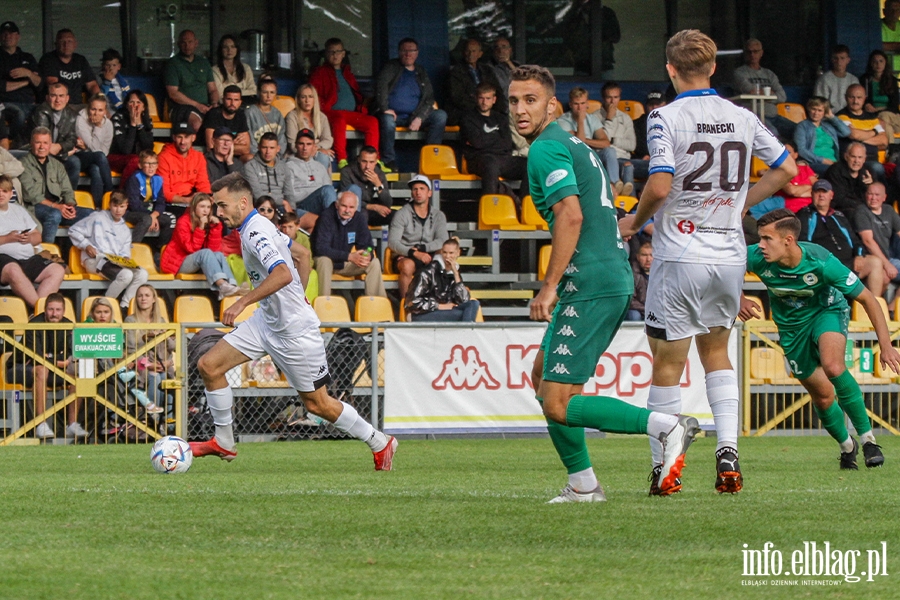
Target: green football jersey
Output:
[(819, 283), (561, 165)]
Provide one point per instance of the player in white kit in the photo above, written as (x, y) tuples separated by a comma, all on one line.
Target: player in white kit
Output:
[(284, 326), (700, 151)]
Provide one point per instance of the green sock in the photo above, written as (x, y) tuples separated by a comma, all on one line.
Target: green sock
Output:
[(850, 397), (833, 421), (570, 445), (606, 414)]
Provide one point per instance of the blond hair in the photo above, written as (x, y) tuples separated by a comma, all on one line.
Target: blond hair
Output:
[(692, 53), (154, 316)]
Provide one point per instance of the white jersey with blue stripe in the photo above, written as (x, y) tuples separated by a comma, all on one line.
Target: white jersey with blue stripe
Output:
[(264, 248), (706, 143)]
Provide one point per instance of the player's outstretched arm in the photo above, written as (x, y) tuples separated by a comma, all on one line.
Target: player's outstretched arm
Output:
[(655, 193), (567, 218), (889, 355), (277, 279), (771, 181)]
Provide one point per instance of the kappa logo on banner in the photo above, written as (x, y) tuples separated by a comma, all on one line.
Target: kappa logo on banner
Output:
[(465, 370)]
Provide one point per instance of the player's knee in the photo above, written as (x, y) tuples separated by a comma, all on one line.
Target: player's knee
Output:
[(834, 368), (209, 370), (822, 401)]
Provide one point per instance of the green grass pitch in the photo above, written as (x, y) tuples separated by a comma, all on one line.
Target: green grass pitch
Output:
[(456, 518)]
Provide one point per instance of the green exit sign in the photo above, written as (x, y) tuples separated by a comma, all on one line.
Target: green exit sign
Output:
[(97, 342)]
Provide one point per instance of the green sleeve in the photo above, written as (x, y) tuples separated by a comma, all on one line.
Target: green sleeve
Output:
[(551, 171), (841, 278)]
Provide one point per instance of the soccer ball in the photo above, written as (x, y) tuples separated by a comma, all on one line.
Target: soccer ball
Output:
[(171, 455)]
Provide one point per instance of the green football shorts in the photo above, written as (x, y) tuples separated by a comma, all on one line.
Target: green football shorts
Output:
[(801, 344)]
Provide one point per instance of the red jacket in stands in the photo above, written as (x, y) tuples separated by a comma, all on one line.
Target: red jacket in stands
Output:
[(187, 240), (325, 81), (182, 175)]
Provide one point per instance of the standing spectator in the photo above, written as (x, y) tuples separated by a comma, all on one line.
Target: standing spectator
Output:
[(890, 32), (438, 293), (619, 130), (182, 168), (640, 156), (342, 244), (503, 63), (12, 168), (132, 134), (229, 70), (230, 116), (404, 98), (313, 190), (833, 85), (417, 230), (95, 135), (752, 78), (46, 188), (156, 364), (220, 155), (367, 175), (817, 137), (465, 78), (103, 237), (19, 78), (341, 100), (797, 193), (20, 267), (65, 66), (268, 175), (59, 118), (112, 84), (264, 118), (308, 115), (878, 226), (850, 177), (865, 127), (189, 83), (640, 268), (197, 246), (147, 203), (882, 96)]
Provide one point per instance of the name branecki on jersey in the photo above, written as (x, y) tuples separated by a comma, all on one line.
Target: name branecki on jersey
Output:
[(715, 127)]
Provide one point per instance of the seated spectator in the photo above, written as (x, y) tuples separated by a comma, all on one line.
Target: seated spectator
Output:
[(588, 127), (112, 84), (229, 70), (308, 115), (313, 190), (341, 100), (59, 117), (367, 175), (289, 225), (156, 364), (263, 118), (189, 83), (640, 268), (46, 188), (817, 136), (404, 98), (797, 193), (829, 228), (147, 204), (619, 129), (11, 167), (849, 177), (132, 134), (417, 230), (268, 175), (20, 81), (104, 239), (865, 127), (196, 246), (880, 85), (878, 225), (640, 156), (503, 64), (438, 293), (488, 145), (20, 268), (95, 135), (752, 78), (833, 85), (342, 244), (220, 155), (231, 117), (63, 65), (182, 168), (465, 78)]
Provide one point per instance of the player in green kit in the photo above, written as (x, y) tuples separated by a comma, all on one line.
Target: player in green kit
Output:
[(585, 295), (807, 286)]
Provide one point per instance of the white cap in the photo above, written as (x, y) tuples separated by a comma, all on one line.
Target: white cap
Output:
[(419, 179)]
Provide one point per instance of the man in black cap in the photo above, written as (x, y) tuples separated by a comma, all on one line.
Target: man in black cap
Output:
[(640, 158), (220, 154), (19, 80), (231, 116)]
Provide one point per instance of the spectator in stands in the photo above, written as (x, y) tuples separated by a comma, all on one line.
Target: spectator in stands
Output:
[(46, 188), (301, 252), (313, 190), (147, 202), (308, 115), (417, 230), (882, 96), (104, 239), (619, 129), (59, 118), (189, 83), (640, 268), (229, 70), (196, 246), (264, 118), (220, 155), (849, 177), (798, 191), (20, 268), (12, 168), (20, 78), (833, 85), (95, 135), (640, 157), (367, 175), (156, 364), (341, 100), (229, 115), (465, 78), (268, 175), (752, 78), (268, 207), (404, 98), (588, 127), (488, 146), (817, 137), (112, 84), (65, 66), (865, 127), (342, 244), (182, 168), (503, 63), (438, 293), (132, 134), (878, 226), (890, 32)]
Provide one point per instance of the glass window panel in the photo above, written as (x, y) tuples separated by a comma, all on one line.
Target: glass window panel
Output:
[(95, 24), (640, 53), (480, 19), (159, 24), (350, 20), (28, 17)]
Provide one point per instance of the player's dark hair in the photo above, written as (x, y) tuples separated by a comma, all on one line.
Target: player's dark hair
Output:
[(692, 53), (785, 221), (537, 73), (234, 184)]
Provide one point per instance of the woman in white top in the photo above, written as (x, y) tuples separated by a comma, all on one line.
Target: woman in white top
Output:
[(308, 115), (95, 135), (229, 70)]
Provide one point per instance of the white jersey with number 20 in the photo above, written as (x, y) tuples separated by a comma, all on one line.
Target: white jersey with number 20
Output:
[(706, 143)]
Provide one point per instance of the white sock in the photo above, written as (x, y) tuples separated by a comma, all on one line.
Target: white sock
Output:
[(666, 400), (584, 481), (350, 422), (723, 393), (220, 402), (867, 437), (847, 445), (660, 423)]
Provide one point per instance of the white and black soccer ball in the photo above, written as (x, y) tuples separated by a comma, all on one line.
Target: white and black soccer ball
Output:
[(171, 454)]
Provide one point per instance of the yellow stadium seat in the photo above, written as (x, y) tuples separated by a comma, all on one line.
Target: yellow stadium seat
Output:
[(479, 318), (284, 104), (105, 204), (439, 162), (543, 261), (6, 386), (531, 216), (194, 309), (373, 309), (84, 199), (791, 110), (757, 168), (68, 312), (860, 317), (626, 203), (872, 377), (14, 308), (498, 211), (632, 108), (143, 255), (86, 308), (403, 316), (594, 106), (387, 266), (331, 309), (78, 269), (227, 301), (767, 364), (883, 373), (54, 249), (158, 146), (163, 309), (558, 111), (152, 109), (751, 277), (759, 305)]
